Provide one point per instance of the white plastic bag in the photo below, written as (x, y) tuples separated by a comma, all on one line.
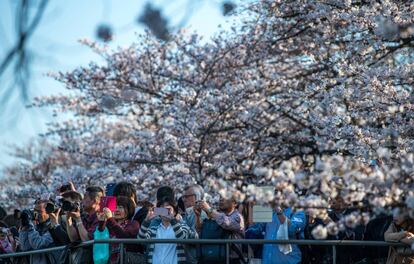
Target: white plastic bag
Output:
[(282, 234)]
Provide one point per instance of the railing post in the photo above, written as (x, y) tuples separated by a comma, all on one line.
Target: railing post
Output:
[(70, 255), (227, 253), (334, 254), (121, 256), (31, 258)]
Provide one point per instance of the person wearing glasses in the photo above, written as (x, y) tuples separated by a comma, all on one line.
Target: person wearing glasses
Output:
[(192, 194), (41, 235)]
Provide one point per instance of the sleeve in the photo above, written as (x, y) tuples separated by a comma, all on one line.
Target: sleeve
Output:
[(89, 228), (297, 224), (130, 231), (145, 231), (59, 235), (190, 220), (140, 215), (256, 230), (181, 232), (24, 241), (392, 236), (232, 222), (191, 232), (38, 241)]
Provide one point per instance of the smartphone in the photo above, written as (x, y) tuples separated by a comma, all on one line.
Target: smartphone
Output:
[(108, 202), (109, 190), (161, 211)]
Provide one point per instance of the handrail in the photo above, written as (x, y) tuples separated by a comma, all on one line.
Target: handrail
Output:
[(250, 241), (210, 241)]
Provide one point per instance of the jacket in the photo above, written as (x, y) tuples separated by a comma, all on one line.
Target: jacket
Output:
[(397, 255), (39, 237), (271, 252)]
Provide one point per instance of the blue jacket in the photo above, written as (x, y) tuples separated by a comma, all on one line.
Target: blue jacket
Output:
[(39, 237), (271, 253)]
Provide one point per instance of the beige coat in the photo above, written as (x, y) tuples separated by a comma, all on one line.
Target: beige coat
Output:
[(398, 255)]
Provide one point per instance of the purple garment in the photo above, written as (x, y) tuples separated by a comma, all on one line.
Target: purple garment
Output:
[(6, 246), (234, 223)]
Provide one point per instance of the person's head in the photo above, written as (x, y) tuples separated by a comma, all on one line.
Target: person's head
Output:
[(125, 208), (12, 219), (192, 194), (40, 209), (338, 203), (126, 189), (400, 216), (3, 224), (145, 204), (168, 204), (227, 204), (165, 192), (3, 233), (92, 199)]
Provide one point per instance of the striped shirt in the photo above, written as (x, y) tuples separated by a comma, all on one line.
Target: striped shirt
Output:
[(181, 231)]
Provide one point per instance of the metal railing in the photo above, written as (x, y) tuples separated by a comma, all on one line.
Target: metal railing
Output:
[(226, 242)]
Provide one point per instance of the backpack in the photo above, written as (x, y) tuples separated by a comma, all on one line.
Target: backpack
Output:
[(209, 253), (216, 254)]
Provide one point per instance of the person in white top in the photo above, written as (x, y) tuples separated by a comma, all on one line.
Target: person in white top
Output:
[(170, 227)]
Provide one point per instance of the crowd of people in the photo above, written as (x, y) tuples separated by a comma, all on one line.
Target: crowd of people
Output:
[(71, 217)]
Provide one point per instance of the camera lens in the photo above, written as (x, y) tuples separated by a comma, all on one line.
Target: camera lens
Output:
[(51, 208)]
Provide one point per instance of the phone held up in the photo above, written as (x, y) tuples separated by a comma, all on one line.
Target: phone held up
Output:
[(159, 211), (108, 202)]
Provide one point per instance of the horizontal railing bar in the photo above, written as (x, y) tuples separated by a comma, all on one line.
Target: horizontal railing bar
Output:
[(250, 241), (32, 252), (211, 241)]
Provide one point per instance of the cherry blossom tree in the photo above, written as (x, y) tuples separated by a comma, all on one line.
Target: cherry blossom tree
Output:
[(299, 95)]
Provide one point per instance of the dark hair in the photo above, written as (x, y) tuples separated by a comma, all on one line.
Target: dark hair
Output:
[(142, 213), (165, 192), (94, 188), (12, 220), (94, 192), (180, 204), (3, 224), (73, 195), (125, 189), (167, 200), (145, 203), (127, 204), (3, 213)]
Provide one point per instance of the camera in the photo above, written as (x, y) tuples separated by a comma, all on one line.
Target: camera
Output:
[(51, 207), (68, 206), (26, 216)]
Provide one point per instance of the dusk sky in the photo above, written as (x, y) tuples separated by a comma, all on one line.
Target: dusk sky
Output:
[(55, 47)]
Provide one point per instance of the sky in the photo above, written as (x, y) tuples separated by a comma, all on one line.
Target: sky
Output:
[(55, 47)]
